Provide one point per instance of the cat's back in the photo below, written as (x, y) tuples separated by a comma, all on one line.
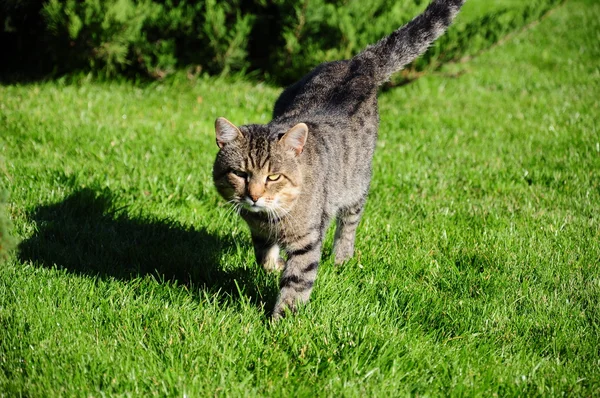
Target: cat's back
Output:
[(337, 88), (338, 102)]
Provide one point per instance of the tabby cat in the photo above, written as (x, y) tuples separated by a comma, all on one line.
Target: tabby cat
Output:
[(312, 163)]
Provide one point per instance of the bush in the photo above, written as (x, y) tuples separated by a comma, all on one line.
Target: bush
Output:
[(125, 37), (117, 36), (281, 39), (311, 32), (319, 31), (469, 38)]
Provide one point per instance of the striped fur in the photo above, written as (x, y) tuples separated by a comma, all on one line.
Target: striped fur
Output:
[(312, 163), (411, 40)]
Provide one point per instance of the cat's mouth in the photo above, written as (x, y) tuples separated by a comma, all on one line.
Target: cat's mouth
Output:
[(263, 206), (254, 207)]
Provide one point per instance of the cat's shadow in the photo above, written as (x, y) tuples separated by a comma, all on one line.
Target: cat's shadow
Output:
[(83, 234)]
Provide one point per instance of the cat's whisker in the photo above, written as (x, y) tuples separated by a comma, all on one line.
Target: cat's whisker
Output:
[(286, 219), (228, 212), (269, 223), (273, 226), (233, 210)]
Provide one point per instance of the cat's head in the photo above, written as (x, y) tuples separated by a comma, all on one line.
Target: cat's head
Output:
[(257, 166)]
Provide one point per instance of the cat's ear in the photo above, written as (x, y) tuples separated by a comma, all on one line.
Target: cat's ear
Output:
[(295, 138), (226, 132)]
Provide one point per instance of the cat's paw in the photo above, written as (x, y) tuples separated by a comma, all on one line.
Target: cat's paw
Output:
[(282, 309), (343, 252), (274, 265)]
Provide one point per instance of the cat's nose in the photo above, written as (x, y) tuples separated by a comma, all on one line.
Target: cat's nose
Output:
[(255, 190), (254, 198)]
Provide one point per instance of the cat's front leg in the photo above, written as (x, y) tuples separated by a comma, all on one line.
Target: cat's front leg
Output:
[(267, 253), (299, 274)]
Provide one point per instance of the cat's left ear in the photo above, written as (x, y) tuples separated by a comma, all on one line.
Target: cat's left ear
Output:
[(226, 132), (295, 138)]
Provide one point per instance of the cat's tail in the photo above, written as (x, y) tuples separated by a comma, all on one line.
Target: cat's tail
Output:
[(393, 52)]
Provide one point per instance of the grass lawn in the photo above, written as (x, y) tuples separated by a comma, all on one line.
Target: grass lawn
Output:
[(477, 264)]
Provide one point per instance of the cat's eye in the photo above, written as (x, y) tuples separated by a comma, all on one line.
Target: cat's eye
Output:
[(274, 177), (239, 173)]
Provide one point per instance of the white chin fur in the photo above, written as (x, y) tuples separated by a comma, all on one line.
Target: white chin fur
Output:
[(254, 209), (257, 207)]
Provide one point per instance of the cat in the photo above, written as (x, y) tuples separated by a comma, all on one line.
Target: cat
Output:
[(312, 163)]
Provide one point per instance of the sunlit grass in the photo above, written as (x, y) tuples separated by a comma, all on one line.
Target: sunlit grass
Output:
[(476, 270)]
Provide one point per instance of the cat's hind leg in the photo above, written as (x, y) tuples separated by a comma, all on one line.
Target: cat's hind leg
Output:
[(345, 231)]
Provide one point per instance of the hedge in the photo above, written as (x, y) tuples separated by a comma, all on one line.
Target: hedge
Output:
[(278, 39)]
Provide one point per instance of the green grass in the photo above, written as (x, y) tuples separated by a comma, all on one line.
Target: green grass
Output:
[(477, 261)]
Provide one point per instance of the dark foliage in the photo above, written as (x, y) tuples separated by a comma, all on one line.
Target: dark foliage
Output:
[(278, 39)]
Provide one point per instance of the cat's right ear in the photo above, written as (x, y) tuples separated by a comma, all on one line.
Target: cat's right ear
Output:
[(295, 138), (226, 132)]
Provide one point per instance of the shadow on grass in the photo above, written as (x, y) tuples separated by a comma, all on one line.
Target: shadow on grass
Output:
[(85, 235)]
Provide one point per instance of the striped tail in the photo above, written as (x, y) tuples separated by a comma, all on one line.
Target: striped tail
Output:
[(393, 52)]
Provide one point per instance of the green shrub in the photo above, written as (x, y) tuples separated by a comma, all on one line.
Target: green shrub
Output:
[(281, 39), (322, 30), (470, 37), (116, 36), (315, 31)]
